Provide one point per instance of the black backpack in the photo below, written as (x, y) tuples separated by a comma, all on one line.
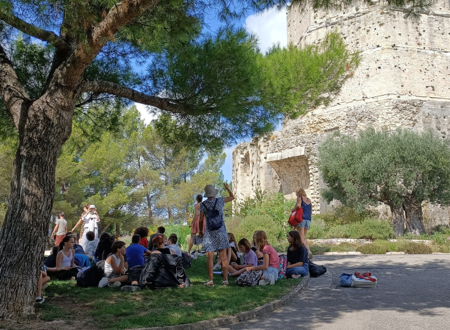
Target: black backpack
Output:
[(214, 218), (90, 277), (186, 260), (316, 270)]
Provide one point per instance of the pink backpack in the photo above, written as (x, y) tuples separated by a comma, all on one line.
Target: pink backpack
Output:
[(282, 265)]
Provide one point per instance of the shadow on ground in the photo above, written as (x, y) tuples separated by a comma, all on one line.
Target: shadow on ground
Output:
[(412, 293)]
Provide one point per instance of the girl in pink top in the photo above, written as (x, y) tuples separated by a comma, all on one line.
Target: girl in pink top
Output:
[(270, 260)]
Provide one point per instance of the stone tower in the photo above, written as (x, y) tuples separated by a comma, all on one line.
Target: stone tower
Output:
[(403, 80)]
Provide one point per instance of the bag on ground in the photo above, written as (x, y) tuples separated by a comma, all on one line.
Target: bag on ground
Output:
[(186, 260), (282, 265), (363, 280), (89, 277), (346, 279), (249, 278), (316, 270)]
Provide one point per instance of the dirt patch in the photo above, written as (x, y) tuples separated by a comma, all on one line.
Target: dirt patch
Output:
[(35, 323)]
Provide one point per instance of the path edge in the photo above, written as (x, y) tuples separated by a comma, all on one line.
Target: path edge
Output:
[(239, 317)]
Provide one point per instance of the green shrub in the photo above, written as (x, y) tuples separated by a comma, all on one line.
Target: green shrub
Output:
[(249, 224), (317, 229), (274, 205), (413, 248), (373, 249), (181, 231), (367, 229), (319, 249), (343, 215), (343, 247)]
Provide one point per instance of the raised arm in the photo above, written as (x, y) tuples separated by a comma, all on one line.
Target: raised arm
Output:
[(231, 197)]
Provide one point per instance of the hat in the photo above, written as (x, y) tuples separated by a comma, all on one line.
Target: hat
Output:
[(210, 191), (92, 206)]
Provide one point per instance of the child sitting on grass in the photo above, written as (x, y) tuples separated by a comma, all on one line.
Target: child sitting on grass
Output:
[(249, 258), (115, 267), (65, 260), (297, 256), (270, 261), (43, 279)]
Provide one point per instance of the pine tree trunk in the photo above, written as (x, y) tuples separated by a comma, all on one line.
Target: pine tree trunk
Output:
[(414, 217), (43, 129), (149, 207), (398, 220), (117, 230)]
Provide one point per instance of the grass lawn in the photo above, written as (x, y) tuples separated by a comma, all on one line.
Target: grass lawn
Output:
[(110, 308), (383, 246)]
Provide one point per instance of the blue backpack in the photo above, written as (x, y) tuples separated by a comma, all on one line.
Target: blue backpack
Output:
[(215, 219)]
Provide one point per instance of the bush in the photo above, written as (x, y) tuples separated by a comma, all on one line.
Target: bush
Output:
[(413, 248), (343, 215), (317, 229), (249, 224), (181, 231), (373, 249), (367, 229)]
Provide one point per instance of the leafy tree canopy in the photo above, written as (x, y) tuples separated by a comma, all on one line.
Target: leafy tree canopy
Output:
[(401, 169)]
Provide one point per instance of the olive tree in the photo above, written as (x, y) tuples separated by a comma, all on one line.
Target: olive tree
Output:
[(401, 169)]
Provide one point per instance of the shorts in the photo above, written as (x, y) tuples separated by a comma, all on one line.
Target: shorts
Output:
[(304, 224), (198, 240)]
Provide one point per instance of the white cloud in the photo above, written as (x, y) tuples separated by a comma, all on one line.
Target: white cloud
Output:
[(146, 114), (270, 26)]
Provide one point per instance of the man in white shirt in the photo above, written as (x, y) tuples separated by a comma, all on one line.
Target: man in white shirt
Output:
[(60, 228)]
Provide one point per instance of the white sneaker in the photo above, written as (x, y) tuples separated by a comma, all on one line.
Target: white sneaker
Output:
[(217, 267), (272, 281), (263, 282), (116, 284), (103, 282)]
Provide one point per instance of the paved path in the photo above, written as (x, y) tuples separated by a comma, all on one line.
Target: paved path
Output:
[(413, 292)]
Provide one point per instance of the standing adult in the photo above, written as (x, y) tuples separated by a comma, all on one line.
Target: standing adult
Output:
[(305, 203), (215, 237), (60, 228), (85, 209), (90, 219)]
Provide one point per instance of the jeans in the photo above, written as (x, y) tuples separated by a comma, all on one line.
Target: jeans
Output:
[(302, 270), (271, 273)]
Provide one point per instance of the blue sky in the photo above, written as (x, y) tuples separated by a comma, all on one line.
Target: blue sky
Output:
[(270, 27)]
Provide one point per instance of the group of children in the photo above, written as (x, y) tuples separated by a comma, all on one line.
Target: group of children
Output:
[(260, 255), (123, 265)]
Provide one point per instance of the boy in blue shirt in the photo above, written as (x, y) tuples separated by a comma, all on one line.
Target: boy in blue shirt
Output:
[(135, 257)]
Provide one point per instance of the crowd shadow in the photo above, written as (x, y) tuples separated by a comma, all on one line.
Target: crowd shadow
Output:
[(406, 284)]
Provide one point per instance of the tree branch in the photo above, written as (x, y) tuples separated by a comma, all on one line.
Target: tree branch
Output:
[(11, 91), (32, 30), (133, 95)]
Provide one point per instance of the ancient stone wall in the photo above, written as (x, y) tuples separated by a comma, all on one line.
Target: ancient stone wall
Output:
[(403, 80)]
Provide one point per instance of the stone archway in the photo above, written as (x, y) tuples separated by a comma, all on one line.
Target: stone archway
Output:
[(293, 170)]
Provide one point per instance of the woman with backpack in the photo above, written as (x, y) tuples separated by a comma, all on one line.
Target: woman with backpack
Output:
[(297, 256), (215, 237)]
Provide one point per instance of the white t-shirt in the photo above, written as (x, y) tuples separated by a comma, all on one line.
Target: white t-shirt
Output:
[(62, 225), (90, 222)]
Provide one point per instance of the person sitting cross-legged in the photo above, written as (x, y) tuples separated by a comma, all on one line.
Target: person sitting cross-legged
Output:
[(136, 262), (249, 258), (297, 256), (115, 267)]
